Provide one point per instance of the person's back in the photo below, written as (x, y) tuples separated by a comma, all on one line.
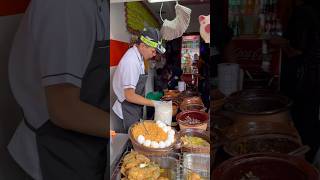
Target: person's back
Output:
[(53, 48)]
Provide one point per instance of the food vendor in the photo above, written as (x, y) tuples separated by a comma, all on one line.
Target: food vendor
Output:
[(129, 79)]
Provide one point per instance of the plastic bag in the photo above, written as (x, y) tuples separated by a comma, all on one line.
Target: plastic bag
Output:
[(163, 111)]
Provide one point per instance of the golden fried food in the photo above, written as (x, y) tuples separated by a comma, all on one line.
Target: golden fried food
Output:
[(193, 176), (131, 160), (155, 133), (150, 172), (136, 166), (142, 158)]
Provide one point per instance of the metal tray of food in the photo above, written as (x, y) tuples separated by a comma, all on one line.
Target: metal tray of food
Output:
[(196, 163), (169, 166)]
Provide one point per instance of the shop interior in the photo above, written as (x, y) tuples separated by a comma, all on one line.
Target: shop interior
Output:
[(265, 89)]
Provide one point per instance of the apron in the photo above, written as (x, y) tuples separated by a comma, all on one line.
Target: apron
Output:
[(66, 154), (133, 112)]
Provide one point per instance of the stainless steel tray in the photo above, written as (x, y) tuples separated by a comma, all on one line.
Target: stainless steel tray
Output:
[(170, 165), (198, 163)]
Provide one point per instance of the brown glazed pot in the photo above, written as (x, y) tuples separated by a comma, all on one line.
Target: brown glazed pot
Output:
[(260, 127), (258, 105), (182, 119), (192, 103), (266, 166), (171, 93), (265, 143)]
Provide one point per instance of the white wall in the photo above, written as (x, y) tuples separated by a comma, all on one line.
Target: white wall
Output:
[(9, 111), (118, 31), (118, 27)]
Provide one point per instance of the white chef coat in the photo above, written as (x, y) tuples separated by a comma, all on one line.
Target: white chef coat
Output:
[(53, 45), (130, 67)]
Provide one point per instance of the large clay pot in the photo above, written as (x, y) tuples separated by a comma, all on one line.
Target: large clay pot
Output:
[(258, 105), (192, 103), (184, 119), (259, 127), (266, 166), (265, 143)]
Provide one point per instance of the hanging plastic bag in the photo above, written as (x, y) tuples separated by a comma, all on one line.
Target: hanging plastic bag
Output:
[(163, 111)]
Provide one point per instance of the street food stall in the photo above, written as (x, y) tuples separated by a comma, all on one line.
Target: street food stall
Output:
[(173, 141)]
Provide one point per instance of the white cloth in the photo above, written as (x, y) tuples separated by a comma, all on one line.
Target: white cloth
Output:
[(130, 67), (49, 48)]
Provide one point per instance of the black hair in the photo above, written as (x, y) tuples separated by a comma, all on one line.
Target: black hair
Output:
[(138, 41)]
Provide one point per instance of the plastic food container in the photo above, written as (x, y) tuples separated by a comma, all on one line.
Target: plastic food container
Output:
[(169, 164), (198, 163)]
